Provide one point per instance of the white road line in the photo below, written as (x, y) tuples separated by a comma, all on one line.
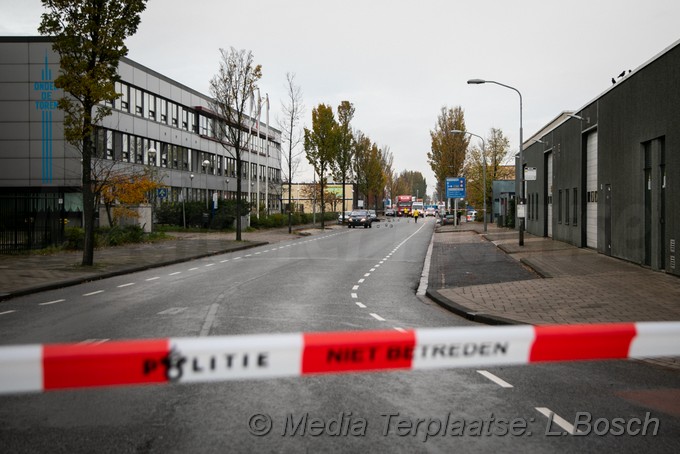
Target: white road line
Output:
[(6, 312), (51, 302), (193, 269), (377, 317), (557, 419), (175, 273), (223, 261), (378, 265), (361, 281), (361, 305), (210, 264), (126, 285), (381, 262), (401, 330), (258, 253), (367, 274), (354, 295), (153, 278), (237, 258), (356, 287), (424, 276), (249, 255), (93, 293), (499, 381), (372, 269)]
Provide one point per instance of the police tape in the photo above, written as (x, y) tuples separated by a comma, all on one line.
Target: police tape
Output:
[(36, 368)]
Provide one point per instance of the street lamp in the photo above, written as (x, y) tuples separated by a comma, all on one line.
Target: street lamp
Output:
[(206, 163), (521, 153), (457, 131), (151, 153), (191, 195)]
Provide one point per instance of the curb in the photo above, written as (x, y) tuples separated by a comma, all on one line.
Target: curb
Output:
[(479, 317), (129, 270)]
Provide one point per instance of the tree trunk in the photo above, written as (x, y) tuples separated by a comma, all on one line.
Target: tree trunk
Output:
[(88, 199), (239, 199)]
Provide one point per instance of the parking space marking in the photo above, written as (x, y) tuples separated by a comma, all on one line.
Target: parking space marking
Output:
[(499, 381), (557, 419)]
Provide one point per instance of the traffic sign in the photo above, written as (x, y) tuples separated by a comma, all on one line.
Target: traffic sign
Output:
[(455, 188), (162, 193)]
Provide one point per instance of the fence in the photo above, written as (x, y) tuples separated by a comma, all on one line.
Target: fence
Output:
[(30, 221)]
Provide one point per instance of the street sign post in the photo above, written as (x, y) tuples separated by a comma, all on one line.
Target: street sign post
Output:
[(455, 188)]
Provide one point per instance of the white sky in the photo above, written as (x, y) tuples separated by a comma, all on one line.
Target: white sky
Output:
[(400, 61)]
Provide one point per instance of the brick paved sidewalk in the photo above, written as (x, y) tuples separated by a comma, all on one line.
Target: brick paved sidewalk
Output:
[(578, 285)]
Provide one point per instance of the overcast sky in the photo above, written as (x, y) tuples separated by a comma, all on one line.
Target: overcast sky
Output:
[(399, 62)]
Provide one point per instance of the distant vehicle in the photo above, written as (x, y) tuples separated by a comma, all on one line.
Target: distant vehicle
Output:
[(448, 219), (360, 217), (471, 215), (389, 212), (404, 203), (430, 211), (373, 215), (347, 213)]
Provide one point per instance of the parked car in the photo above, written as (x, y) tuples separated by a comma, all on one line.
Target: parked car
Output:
[(471, 215), (448, 219), (374, 216), (389, 211), (360, 217), (347, 214)]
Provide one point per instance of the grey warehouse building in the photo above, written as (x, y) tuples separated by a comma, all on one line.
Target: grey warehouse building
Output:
[(156, 122), (608, 174)]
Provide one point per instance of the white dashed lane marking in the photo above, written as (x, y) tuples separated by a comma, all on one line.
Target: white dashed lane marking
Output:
[(51, 302), (93, 293), (377, 317)]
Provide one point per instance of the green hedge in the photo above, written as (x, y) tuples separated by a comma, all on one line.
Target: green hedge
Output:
[(103, 237)]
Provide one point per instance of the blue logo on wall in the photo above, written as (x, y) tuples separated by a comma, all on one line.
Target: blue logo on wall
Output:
[(46, 104)]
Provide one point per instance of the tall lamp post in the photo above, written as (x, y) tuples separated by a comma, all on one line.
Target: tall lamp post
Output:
[(458, 131), (151, 153), (521, 153), (206, 163)]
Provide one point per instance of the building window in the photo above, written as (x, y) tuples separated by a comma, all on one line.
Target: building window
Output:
[(124, 99), (174, 114), (139, 101), (126, 148), (152, 100), (566, 206), (575, 207), (559, 206)]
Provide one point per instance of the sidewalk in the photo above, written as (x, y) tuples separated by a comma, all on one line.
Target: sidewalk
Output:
[(573, 285), (30, 273)]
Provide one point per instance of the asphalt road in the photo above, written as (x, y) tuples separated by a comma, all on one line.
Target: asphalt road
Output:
[(350, 279)]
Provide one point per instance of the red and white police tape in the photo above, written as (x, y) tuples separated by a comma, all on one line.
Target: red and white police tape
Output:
[(35, 368)]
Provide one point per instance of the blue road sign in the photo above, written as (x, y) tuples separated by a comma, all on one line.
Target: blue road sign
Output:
[(162, 193), (455, 188)]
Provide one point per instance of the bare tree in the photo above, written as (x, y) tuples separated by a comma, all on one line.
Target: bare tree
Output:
[(231, 88), (292, 135)]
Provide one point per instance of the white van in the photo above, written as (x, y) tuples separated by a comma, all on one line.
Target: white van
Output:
[(420, 207)]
